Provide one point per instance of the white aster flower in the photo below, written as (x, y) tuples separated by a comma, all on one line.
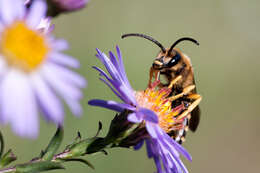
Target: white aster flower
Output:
[(33, 70)]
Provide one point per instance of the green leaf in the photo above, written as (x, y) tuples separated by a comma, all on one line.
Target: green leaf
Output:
[(2, 144), (38, 167), (53, 145), (100, 126), (79, 160), (7, 158)]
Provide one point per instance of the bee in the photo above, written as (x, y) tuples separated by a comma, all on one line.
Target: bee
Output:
[(177, 69)]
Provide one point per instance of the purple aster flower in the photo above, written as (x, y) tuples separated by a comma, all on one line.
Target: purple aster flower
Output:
[(56, 7), (32, 69), (149, 108)]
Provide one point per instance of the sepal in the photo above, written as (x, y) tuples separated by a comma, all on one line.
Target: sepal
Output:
[(53, 146), (7, 158)]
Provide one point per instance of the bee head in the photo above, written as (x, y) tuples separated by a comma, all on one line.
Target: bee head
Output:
[(170, 57), (166, 58)]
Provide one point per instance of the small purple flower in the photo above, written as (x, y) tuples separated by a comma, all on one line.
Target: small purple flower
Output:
[(70, 5), (33, 69), (144, 107), (56, 7)]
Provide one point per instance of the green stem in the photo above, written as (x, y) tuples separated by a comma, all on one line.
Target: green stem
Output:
[(56, 158), (97, 145)]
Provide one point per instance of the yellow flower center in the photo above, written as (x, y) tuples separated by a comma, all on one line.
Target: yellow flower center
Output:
[(156, 100), (23, 47)]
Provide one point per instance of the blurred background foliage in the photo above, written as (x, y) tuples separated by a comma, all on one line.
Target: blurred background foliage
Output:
[(226, 68)]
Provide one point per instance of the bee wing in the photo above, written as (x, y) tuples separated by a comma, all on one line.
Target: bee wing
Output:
[(195, 119)]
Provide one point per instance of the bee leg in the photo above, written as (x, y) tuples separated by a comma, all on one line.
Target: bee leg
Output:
[(174, 81), (194, 104), (185, 91), (193, 96), (150, 77), (156, 76)]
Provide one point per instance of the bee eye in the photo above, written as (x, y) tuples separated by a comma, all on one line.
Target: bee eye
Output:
[(174, 60)]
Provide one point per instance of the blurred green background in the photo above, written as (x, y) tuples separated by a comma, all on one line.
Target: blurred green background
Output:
[(226, 69)]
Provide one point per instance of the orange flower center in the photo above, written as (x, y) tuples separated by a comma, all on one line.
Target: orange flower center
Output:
[(23, 47), (156, 100)]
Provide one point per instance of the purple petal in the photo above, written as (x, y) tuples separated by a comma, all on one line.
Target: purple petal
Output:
[(127, 93), (48, 101), (139, 145), (133, 117), (158, 164), (150, 127), (179, 148), (120, 69), (64, 60), (114, 91), (114, 61), (151, 148), (119, 107), (148, 115), (37, 13), (109, 65), (102, 73), (179, 164), (121, 64), (123, 93), (173, 153), (170, 164), (119, 83)]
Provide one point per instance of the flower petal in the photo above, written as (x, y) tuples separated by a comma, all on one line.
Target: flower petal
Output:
[(150, 127), (114, 91), (64, 60), (36, 13), (60, 45), (50, 104), (149, 148), (139, 145), (119, 107), (68, 76), (74, 106), (18, 104), (118, 81), (179, 148), (64, 88), (148, 115), (133, 117), (11, 10), (3, 68)]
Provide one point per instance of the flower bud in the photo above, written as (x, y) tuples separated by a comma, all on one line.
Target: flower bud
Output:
[(55, 7)]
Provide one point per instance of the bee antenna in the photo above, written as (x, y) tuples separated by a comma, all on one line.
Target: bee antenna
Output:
[(183, 39), (146, 37)]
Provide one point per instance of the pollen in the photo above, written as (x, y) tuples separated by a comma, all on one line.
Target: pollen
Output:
[(23, 47), (156, 100)]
